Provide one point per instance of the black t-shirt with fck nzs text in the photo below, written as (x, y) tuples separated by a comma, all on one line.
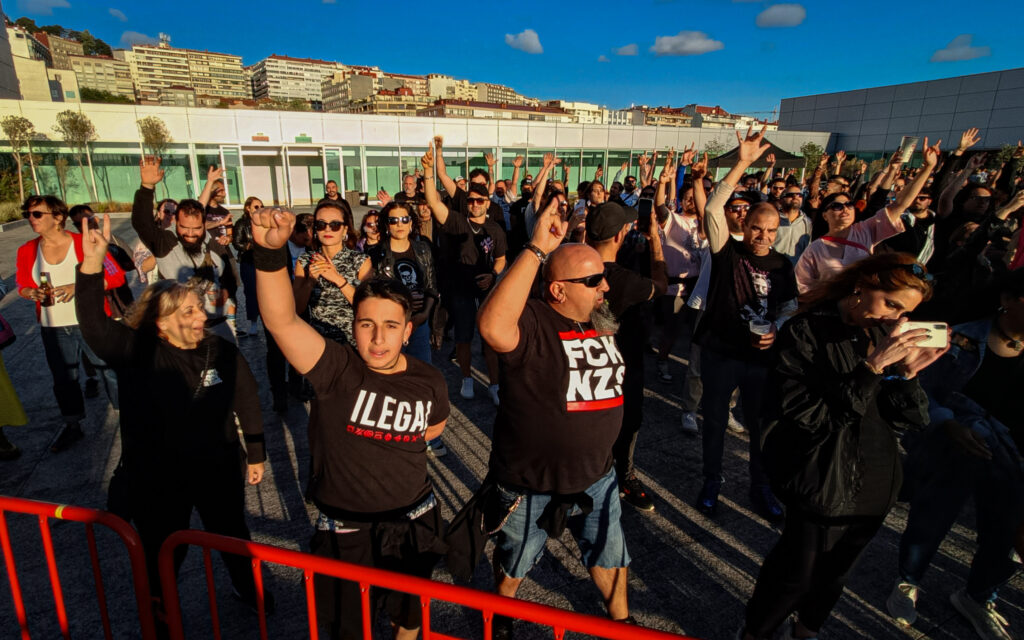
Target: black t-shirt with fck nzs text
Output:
[(561, 404), (366, 433)]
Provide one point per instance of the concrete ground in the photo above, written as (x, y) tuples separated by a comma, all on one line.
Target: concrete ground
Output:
[(690, 574)]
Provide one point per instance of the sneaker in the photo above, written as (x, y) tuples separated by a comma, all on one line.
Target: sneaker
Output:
[(983, 617), (765, 504), (71, 434), (663, 373), (493, 391), (436, 448), (735, 425), (467, 388), (632, 491), (707, 500), (689, 422), (902, 603), (92, 388), (501, 627)]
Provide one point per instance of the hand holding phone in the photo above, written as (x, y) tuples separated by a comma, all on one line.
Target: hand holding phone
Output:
[(938, 333)]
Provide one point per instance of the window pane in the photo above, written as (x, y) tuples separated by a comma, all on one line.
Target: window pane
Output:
[(333, 157), (591, 161), (616, 158), (382, 170), (507, 156), (535, 160), (353, 171), (410, 162), (455, 162), (477, 161)]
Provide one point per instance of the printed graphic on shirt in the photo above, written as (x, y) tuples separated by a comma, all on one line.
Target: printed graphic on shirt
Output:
[(596, 370), (762, 286), (382, 417), (211, 377), (409, 274)]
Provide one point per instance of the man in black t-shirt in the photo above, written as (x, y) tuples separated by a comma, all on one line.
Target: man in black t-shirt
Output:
[(477, 255), (751, 292), (607, 226), (518, 233), (331, 191), (561, 411)]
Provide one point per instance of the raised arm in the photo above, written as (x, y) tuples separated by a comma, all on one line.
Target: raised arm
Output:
[(906, 197), (518, 165), (499, 314), (541, 181), (766, 178), (109, 339), (442, 171), (213, 174), (489, 159), (159, 241), (750, 149), (437, 207), (301, 345)]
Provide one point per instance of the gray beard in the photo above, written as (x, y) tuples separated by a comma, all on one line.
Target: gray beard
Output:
[(603, 320)]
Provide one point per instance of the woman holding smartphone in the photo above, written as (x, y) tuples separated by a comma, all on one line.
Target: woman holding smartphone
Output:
[(326, 278), (845, 383)]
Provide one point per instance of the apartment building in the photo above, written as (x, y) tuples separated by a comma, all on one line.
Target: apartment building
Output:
[(285, 78), (494, 111), (103, 73), (342, 88), (23, 45), (582, 112), (500, 94), (387, 102), (60, 49), (154, 67)]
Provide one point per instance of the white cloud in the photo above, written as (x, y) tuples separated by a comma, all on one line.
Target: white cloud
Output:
[(602, 58), (128, 38), (628, 50), (686, 43), (330, 1), (117, 13), (526, 41), (960, 49), (782, 15), (42, 7)]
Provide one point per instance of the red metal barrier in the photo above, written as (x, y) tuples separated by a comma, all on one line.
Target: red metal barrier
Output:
[(89, 517), (487, 603)]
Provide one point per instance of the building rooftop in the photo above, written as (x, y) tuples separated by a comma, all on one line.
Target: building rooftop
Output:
[(496, 105)]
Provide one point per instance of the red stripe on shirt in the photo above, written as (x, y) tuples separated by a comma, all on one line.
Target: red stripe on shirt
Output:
[(594, 405)]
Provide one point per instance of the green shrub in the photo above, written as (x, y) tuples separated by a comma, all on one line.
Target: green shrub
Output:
[(10, 211), (110, 206)]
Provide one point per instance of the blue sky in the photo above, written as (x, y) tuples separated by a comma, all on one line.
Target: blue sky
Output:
[(742, 55)]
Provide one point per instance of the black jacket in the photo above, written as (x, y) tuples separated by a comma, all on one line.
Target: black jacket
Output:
[(829, 440), (383, 261)]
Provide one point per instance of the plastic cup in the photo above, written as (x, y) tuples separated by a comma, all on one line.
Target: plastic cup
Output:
[(760, 327)]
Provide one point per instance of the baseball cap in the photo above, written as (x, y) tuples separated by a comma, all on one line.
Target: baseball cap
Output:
[(457, 178), (607, 219)]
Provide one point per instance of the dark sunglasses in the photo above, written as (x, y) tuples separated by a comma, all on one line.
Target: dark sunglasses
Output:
[(590, 281), (335, 225), (370, 225), (476, 200), (795, 194), (739, 207), (923, 197), (402, 220), (35, 214), (839, 206)]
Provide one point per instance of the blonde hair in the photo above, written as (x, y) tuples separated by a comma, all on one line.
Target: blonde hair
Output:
[(159, 300)]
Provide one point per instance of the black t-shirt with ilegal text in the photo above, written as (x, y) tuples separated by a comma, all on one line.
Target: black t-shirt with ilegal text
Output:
[(366, 433), (743, 286), (561, 404)]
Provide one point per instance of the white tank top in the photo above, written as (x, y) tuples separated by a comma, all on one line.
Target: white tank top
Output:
[(59, 314)]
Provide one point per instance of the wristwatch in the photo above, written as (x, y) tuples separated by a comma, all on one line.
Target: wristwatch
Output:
[(543, 257)]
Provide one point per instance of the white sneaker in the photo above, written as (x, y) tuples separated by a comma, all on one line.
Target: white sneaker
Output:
[(902, 603), (735, 425), (689, 422), (493, 391), (467, 388), (983, 617), (663, 373)]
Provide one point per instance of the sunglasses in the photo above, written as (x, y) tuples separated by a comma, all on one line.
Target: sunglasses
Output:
[(476, 200), (590, 281), (839, 206), (923, 198), (335, 225), (795, 194), (739, 207), (35, 214), (400, 220), (370, 225)]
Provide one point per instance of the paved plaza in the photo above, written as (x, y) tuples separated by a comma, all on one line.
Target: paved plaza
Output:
[(689, 574)]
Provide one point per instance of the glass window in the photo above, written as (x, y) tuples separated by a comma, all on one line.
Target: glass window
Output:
[(535, 160), (617, 158), (333, 158), (352, 159), (477, 161), (592, 161), (507, 156), (410, 161), (455, 162), (382, 170), (571, 160)]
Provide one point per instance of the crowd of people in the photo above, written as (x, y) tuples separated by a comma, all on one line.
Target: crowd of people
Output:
[(795, 295)]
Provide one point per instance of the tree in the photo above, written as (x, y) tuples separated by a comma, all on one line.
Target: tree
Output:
[(99, 95), (812, 154), (92, 45), (714, 148), (19, 131), (60, 165), (78, 131), (277, 104), (155, 136), (28, 24)]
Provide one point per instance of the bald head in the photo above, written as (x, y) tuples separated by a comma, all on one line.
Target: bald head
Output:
[(565, 277), (572, 261)]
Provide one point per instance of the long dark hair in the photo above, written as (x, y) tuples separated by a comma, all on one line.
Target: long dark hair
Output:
[(880, 272), (351, 237), (385, 229)]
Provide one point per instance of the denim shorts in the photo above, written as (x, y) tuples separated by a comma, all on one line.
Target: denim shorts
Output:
[(598, 533)]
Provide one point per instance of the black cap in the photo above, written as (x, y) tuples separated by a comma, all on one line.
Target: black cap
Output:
[(607, 219), (740, 195)]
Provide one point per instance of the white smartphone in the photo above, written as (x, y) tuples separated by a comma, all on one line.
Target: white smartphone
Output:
[(938, 334)]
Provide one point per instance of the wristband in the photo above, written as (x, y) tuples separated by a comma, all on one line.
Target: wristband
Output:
[(532, 248), (265, 259)]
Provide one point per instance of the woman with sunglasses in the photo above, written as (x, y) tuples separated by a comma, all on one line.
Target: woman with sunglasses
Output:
[(326, 277), (847, 240), (403, 256), (185, 393), (369, 231), (46, 276), (844, 384), (241, 240)]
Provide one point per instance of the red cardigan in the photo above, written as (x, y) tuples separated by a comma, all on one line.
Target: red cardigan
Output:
[(113, 275)]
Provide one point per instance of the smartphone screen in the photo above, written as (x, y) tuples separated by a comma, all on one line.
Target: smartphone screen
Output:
[(644, 207)]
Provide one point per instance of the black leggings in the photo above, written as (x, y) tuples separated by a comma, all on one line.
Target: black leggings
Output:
[(806, 571)]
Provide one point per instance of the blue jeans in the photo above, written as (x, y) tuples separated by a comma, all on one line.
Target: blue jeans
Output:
[(64, 348), (419, 343), (598, 533), (721, 375), (252, 307), (943, 477)]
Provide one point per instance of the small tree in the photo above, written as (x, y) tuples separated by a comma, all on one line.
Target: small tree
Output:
[(60, 165), (714, 148), (155, 136), (20, 131), (812, 154), (77, 131)]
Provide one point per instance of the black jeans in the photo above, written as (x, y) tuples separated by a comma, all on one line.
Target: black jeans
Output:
[(806, 571), (65, 349), (721, 375), (632, 414)]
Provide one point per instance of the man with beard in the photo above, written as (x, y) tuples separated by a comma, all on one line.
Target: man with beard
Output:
[(795, 226), (560, 412), (919, 237), (220, 226), (331, 191), (409, 191), (629, 193), (185, 254)]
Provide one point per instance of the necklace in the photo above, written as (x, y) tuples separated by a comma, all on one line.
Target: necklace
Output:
[(1014, 343), (472, 228)]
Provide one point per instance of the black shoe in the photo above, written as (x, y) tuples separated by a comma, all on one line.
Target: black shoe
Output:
[(92, 388), (71, 434), (707, 500), (7, 449), (249, 600), (501, 627), (765, 504), (280, 403), (632, 491)]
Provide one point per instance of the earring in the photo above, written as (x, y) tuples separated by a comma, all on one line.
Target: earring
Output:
[(405, 343)]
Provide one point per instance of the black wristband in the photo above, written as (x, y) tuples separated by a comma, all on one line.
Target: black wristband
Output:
[(266, 259)]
